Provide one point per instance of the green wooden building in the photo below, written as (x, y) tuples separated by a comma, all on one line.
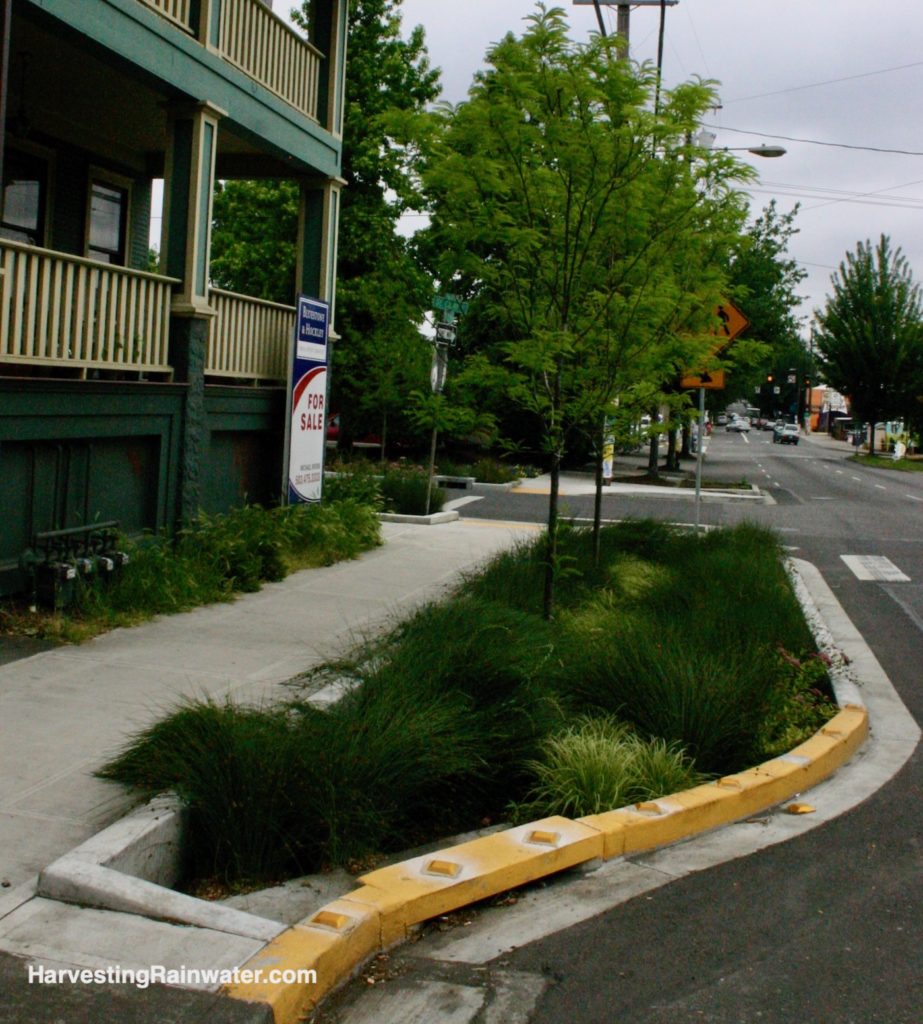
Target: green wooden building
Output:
[(127, 394)]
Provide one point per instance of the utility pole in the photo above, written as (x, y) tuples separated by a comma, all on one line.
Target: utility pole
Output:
[(623, 16)]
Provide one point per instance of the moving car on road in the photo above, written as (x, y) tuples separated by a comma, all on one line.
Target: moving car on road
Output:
[(789, 434), (739, 424)]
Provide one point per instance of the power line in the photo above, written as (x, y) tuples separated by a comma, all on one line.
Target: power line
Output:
[(858, 200), (829, 81), (826, 192), (815, 142)]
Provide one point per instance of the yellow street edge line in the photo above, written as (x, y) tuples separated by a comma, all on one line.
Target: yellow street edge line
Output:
[(335, 940)]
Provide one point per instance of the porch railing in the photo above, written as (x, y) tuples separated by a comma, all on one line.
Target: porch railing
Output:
[(267, 49), (179, 11), (249, 339), (261, 44), (57, 309)]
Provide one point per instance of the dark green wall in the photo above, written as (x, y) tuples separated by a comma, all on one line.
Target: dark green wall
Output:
[(77, 452)]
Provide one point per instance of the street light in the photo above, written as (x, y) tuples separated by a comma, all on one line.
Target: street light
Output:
[(767, 151), (706, 140)]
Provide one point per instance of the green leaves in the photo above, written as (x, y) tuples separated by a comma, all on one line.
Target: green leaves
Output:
[(871, 332)]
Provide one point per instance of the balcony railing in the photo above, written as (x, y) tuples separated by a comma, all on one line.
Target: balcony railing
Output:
[(72, 313), (266, 49), (60, 310), (178, 11), (262, 45), (249, 339)]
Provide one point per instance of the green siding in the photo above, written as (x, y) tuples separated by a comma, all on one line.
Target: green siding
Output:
[(74, 452)]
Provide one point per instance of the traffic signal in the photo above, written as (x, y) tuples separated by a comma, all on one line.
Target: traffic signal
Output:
[(768, 378)]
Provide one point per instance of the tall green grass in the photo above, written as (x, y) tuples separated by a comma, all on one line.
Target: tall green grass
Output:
[(663, 664)]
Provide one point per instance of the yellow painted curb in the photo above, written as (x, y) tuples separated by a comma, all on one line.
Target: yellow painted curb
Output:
[(415, 890), (337, 939)]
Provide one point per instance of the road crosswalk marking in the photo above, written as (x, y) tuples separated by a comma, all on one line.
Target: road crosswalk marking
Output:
[(875, 567)]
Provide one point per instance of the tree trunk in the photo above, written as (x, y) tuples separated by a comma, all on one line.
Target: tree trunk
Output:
[(384, 436), (653, 459), (551, 547), (598, 497), (672, 457)]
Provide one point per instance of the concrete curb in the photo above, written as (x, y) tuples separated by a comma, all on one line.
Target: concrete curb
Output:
[(431, 520), (335, 940), (132, 865)]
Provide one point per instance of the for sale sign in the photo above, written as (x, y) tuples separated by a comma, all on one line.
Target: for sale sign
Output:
[(308, 421)]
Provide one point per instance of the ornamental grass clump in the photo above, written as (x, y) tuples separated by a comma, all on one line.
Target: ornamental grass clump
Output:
[(597, 764)]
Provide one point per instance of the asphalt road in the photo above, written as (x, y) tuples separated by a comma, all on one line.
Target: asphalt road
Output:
[(826, 928)]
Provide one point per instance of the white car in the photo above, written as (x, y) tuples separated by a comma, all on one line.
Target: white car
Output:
[(739, 424)]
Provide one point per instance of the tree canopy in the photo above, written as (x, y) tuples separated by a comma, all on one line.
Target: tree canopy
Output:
[(381, 291), (590, 232), (870, 333), (764, 282)]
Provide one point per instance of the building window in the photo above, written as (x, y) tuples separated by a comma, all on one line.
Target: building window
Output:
[(22, 210), (108, 219)]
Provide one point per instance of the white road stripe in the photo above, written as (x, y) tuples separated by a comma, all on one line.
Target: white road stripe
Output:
[(913, 497), (875, 567), (880, 487)]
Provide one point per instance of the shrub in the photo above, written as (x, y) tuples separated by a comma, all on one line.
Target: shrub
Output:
[(671, 646), (800, 703), (404, 488), (355, 481), (219, 555)]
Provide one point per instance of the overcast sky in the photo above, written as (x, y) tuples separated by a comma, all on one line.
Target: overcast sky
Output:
[(833, 71)]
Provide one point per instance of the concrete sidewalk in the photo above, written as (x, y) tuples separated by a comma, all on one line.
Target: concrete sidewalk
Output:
[(65, 711)]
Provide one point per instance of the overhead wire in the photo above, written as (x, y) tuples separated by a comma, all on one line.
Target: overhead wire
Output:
[(815, 142), (829, 81)]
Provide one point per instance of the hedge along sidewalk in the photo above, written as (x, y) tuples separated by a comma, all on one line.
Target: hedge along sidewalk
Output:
[(336, 939)]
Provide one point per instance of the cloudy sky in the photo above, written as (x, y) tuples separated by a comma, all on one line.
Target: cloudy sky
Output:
[(844, 73)]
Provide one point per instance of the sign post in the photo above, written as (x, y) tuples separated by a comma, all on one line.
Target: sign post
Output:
[(733, 323), (306, 423)]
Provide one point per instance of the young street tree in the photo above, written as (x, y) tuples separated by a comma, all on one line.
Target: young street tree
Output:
[(589, 231), (870, 334), (381, 292)]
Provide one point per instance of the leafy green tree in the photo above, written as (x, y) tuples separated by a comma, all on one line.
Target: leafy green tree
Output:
[(254, 227), (586, 227), (764, 282), (870, 333), (381, 292)]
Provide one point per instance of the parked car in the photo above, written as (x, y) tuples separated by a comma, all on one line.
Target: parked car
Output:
[(739, 424), (722, 419), (789, 434)]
